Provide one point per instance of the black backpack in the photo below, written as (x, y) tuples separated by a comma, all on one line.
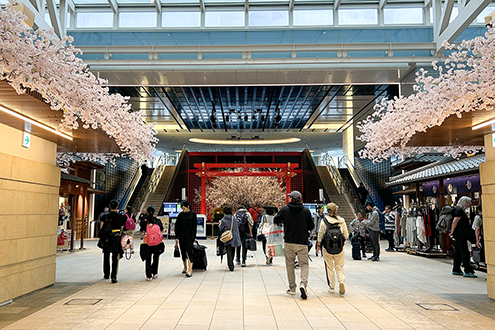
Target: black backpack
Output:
[(242, 218), (333, 239)]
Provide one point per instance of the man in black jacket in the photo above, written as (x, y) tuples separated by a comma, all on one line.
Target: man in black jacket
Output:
[(297, 225)]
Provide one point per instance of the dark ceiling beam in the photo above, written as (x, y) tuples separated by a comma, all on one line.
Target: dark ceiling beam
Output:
[(183, 109), (261, 105), (239, 115), (206, 107), (358, 114), (302, 105), (269, 106), (309, 107), (173, 112), (324, 107), (199, 108), (190, 107), (285, 106), (253, 100), (221, 108)]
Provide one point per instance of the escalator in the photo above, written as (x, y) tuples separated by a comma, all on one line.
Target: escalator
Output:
[(145, 177), (346, 175), (157, 197)]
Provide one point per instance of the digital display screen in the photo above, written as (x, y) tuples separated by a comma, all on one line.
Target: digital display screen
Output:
[(171, 208)]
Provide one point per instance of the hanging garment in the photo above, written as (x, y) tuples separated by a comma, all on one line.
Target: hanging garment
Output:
[(429, 216), (403, 222), (410, 230), (420, 225)]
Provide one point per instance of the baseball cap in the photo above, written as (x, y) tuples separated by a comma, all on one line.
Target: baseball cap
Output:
[(295, 194)]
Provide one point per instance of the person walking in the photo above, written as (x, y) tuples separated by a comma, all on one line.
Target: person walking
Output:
[(245, 231), (185, 232), (142, 222), (297, 224), (373, 225), (462, 233), (389, 227), (362, 193), (229, 222), (153, 239), (130, 224), (264, 225), (358, 231), (333, 251), (111, 228)]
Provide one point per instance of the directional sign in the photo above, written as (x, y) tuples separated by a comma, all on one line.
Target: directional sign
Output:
[(493, 140), (26, 140)]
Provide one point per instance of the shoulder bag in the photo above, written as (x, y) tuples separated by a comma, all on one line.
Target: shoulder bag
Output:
[(227, 235)]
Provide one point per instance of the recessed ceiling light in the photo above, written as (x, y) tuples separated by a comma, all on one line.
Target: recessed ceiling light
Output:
[(245, 142)]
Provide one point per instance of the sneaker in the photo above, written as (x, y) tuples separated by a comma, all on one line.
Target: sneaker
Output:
[(364, 255), (106, 277), (389, 250), (149, 279), (237, 262), (470, 275), (341, 289), (371, 258), (304, 292), (331, 290), (267, 260), (243, 264), (292, 293), (155, 276), (296, 264), (375, 259), (457, 273), (114, 280)]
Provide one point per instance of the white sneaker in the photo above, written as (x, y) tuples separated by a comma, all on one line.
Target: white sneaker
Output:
[(155, 276), (331, 290)]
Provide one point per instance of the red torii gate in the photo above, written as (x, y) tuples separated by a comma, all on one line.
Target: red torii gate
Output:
[(288, 170)]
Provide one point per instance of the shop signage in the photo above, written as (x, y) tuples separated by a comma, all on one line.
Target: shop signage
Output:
[(493, 140), (26, 140)]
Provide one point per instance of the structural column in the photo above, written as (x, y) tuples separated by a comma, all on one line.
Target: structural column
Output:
[(487, 177)]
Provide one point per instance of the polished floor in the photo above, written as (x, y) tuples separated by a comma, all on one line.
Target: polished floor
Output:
[(399, 292)]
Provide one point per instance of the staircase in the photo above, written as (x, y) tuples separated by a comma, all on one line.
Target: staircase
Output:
[(345, 210), (144, 178), (346, 175), (157, 198)]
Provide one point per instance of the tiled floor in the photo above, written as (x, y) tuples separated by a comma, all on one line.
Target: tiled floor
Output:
[(380, 295)]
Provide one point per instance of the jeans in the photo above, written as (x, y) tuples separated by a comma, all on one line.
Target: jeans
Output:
[(375, 241), (244, 237), (290, 250)]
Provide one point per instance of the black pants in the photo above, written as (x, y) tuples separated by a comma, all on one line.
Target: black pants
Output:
[(462, 256), (244, 237), (362, 242), (230, 257), (375, 241), (106, 264), (390, 238), (151, 264)]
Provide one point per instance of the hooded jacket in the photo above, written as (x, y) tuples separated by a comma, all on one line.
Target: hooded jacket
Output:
[(297, 223), (373, 222), (333, 219)]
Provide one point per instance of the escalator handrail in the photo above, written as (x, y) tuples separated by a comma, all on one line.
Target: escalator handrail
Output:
[(131, 188), (151, 183)]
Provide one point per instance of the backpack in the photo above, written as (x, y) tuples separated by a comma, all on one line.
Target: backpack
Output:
[(333, 239), (106, 230), (242, 218), (382, 222), (444, 223), (130, 224), (153, 235)]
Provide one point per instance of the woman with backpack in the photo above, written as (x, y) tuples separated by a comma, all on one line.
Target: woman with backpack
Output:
[(152, 245), (331, 238), (130, 224)]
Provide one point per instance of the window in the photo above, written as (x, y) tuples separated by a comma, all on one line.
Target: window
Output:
[(313, 17), (181, 19), (90, 20), (137, 19), (49, 21), (224, 18), (403, 15), (358, 16), (268, 18), (487, 11)]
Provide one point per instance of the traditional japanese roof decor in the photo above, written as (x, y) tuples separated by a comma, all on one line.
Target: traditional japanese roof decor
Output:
[(439, 169), (420, 160), (73, 178)]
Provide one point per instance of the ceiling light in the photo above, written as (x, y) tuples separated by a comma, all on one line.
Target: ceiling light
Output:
[(35, 123), (245, 142), (486, 123)]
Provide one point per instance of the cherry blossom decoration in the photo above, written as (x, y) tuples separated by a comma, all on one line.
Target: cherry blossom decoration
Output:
[(39, 61), (465, 82)]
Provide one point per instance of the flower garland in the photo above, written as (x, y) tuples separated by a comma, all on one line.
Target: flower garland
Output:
[(67, 158), (37, 60), (466, 82)]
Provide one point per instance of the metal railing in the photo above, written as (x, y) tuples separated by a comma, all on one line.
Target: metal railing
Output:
[(130, 190), (151, 183), (342, 185)]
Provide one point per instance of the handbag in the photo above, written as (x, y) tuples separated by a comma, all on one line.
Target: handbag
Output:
[(227, 235), (260, 236), (176, 251), (251, 244)]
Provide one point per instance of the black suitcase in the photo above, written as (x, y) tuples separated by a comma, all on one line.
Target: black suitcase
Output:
[(200, 262), (356, 250)]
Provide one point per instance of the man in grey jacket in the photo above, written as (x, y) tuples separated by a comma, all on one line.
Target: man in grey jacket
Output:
[(373, 224)]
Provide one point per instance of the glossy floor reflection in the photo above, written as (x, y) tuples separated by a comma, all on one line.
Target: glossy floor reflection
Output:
[(390, 294)]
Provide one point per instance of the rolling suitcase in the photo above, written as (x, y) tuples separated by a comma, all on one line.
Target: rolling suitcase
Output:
[(356, 250), (200, 262)]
